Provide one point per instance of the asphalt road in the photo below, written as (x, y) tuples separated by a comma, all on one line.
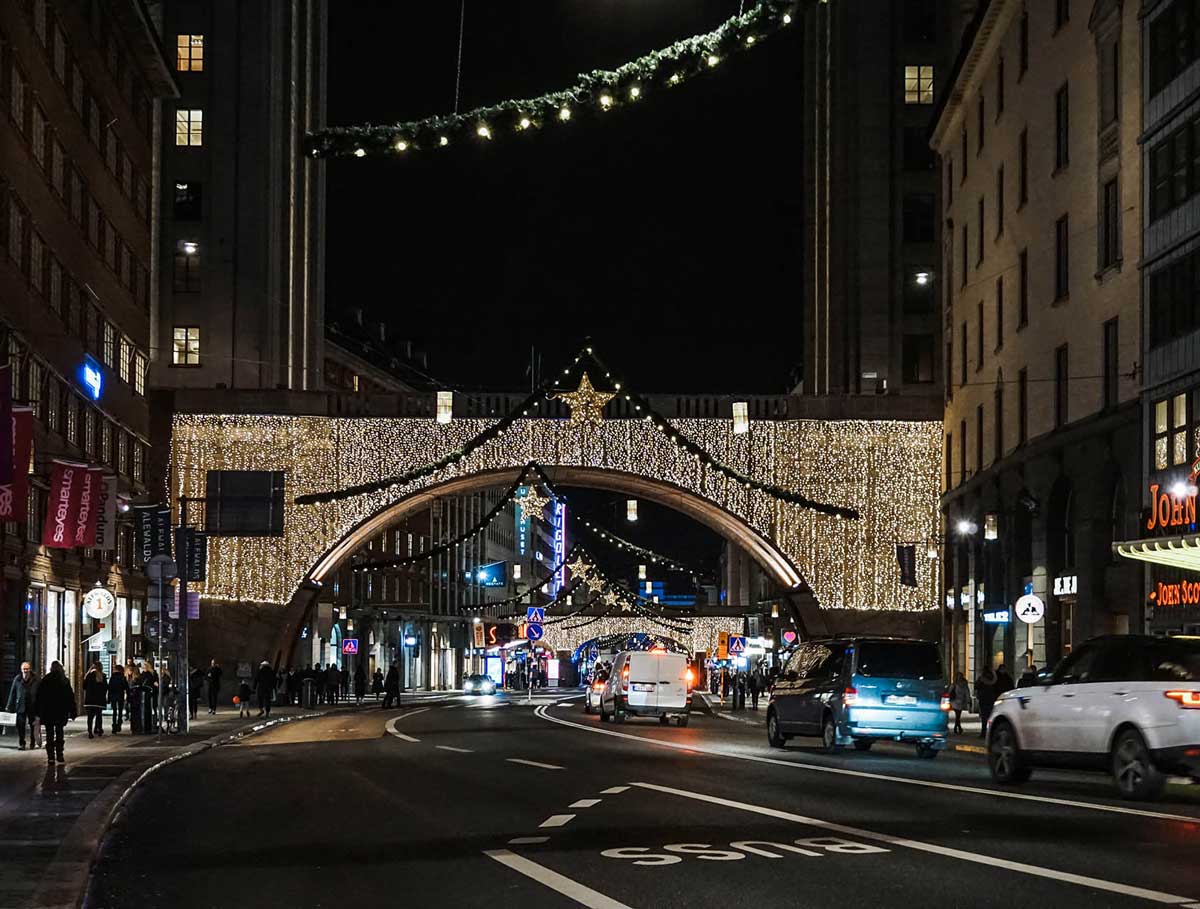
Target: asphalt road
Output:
[(489, 802)]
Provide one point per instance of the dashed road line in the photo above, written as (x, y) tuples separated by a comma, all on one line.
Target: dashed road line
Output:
[(584, 803), (883, 777), (569, 888), (557, 820), (528, 840), (978, 858), (614, 790), (534, 764), (456, 750)]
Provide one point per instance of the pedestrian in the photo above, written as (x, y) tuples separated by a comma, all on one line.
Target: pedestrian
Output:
[(985, 693), (244, 695), (264, 687), (960, 699), (213, 677), (377, 683), (1028, 677), (344, 679), (118, 694), (195, 680), (95, 695), (333, 679), (150, 695), (55, 705), (755, 685), (391, 687), (1004, 681), (291, 685), (360, 684), (21, 696)]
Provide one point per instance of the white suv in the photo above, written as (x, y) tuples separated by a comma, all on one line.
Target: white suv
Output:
[(1126, 703)]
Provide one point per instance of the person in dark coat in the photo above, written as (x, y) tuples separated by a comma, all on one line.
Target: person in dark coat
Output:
[(291, 686), (118, 691), (264, 687), (20, 701), (391, 687), (95, 696), (377, 683), (54, 705), (755, 686), (985, 693), (1004, 681), (344, 678), (214, 685), (195, 680), (360, 684), (333, 679)]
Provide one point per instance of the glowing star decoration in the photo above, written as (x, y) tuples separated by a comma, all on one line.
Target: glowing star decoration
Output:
[(533, 504), (612, 598), (587, 404), (579, 568), (594, 582)]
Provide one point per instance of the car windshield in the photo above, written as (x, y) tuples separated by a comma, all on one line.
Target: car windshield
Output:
[(899, 660)]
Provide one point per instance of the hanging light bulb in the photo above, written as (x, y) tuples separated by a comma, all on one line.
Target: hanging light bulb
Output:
[(564, 113), (483, 132), (445, 406), (342, 612), (525, 123), (741, 418), (443, 141), (641, 572), (774, 610), (674, 80), (401, 145), (606, 101), (349, 624), (359, 153), (634, 94), (713, 60), (631, 510), (787, 18), (750, 41)]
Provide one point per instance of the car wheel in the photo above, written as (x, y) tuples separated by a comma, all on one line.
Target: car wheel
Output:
[(926, 752), (774, 737), (829, 735), (863, 744), (1004, 756), (681, 721), (1133, 769)]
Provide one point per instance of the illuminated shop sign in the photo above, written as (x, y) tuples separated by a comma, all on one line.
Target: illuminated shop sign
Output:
[(91, 378), (522, 523), (560, 545), (1176, 593), (1174, 507)]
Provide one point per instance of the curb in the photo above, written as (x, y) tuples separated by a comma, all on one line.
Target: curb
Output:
[(74, 863)]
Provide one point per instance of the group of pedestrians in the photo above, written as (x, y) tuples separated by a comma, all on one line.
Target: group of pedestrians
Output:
[(990, 684), (45, 705)]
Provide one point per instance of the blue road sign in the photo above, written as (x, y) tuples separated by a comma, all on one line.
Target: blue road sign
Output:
[(737, 644), (594, 653), (535, 614), (534, 631), (350, 645)]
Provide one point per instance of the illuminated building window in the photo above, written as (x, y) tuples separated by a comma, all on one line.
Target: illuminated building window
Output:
[(189, 53), (918, 85), (185, 347), (189, 127)]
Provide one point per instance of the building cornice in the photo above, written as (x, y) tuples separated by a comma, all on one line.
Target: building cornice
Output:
[(966, 72)]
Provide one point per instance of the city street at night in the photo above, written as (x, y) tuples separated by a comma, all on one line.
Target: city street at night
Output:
[(464, 801)]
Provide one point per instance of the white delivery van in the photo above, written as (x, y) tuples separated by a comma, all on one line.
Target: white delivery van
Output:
[(648, 683)]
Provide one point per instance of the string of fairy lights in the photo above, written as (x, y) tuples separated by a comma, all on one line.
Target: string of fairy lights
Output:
[(596, 94), (654, 558)]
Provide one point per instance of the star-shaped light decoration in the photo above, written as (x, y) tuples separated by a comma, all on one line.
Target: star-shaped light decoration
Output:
[(612, 598), (579, 568), (533, 504), (594, 582), (587, 404)]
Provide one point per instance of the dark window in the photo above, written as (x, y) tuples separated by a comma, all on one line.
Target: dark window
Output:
[(963, 177), (999, 312), (187, 201), (1062, 252), (949, 460), (1175, 169), (1062, 381), (1000, 201), (964, 255), (1023, 167), (998, 407), (1023, 289), (1023, 43), (979, 438), (999, 87), (1110, 81), (979, 337), (918, 289), (187, 272), (247, 503), (920, 22), (918, 218), (980, 119), (949, 181), (1022, 407), (1112, 362), (918, 155), (1110, 225), (1062, 127), (1062, 12), (962, 451), (918, 358), (1173, 43), (963, 355), (947, 366), (1174, 303), (899, 660), (979, 217)]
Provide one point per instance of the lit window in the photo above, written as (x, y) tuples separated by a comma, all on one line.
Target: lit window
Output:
[(189, 53), (189, 127), (918, 85), (186, 347), (126, 360)]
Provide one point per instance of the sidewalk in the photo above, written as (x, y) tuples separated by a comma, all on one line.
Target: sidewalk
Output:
[(51, 817), (969, 741)]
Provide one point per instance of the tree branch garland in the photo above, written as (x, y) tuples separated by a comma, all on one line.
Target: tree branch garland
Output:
[(597, 93)]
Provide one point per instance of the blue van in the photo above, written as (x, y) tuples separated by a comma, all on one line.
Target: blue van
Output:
[(860, 690)]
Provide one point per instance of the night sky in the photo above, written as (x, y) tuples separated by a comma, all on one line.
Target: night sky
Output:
[(669, 232)]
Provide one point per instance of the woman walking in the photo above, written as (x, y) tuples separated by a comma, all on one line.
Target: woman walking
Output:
[(360, 684), (95, 696), (960, 699)]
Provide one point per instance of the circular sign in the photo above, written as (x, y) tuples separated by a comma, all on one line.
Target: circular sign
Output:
[(1030, 608), (99, 603)]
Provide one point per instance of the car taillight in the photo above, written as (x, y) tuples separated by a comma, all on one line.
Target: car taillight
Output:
[(1186, 699), (850, 697), (625, 678), (598, 686), (691, 677), (945, 702)]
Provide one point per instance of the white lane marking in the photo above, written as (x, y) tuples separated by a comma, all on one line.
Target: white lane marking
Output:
[(584, 803), (528, 840), (401, 735), (614, 790), (571, 889), (557, 820), (863, 774), (391, 726), (1082, 880), (452, 748), (451, 706), (534, 764)]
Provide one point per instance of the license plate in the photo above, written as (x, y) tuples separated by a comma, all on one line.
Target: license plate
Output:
[(643, 686), (902, 700)]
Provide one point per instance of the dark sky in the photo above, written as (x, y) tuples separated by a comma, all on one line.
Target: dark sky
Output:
[(668, 233)]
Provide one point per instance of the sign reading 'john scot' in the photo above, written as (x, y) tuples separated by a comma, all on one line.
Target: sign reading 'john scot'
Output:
[(1170, 509)]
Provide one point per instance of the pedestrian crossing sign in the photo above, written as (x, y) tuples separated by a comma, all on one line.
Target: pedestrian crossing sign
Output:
[(536, 614), (737, 644), (350, 645)]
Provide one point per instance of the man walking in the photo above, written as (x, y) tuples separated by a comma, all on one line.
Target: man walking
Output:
[(214, 685), (333, 679), (21, 700), (54, 705), (391, 686), (118, 691), (755, 688), (95, 695), (264, 688)]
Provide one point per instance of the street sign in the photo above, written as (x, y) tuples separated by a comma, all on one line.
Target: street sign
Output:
[(350, 646), (722, 645), (534, 631), (594, 653), (160, 568), (99, 603), (535, 614), (1030, 608), (737, 644)]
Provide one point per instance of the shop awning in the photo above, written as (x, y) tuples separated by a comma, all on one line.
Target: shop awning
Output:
[(1178, 552)]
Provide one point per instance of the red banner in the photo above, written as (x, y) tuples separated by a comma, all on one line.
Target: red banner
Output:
[(89, 507), (14, 496), (6, 435), (62, 505)]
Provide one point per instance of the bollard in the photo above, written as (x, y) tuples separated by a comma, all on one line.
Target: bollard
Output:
[(308, 694)]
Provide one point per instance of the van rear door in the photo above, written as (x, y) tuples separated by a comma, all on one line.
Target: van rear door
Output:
[(899, 684), (672, 684), (643, 680)]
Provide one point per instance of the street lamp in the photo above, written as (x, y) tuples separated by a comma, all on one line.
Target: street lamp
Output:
[(631, 514), (965, 527)]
